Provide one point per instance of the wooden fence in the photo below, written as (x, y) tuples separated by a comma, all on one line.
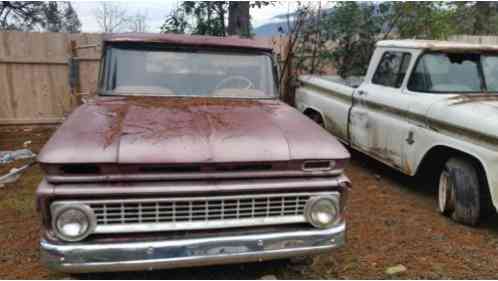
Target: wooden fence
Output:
[(34, 72), (34, 85)]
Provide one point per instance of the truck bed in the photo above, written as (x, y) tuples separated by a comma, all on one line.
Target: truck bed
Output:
[(332, 83), (328, 95), (352, 81)]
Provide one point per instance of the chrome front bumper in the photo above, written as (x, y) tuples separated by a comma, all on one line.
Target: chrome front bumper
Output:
[(133, 256)]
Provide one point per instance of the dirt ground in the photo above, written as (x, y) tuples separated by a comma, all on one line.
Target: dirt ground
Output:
[(392, 220)]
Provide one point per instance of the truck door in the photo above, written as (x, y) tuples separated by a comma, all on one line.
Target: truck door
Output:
[(378, 125)]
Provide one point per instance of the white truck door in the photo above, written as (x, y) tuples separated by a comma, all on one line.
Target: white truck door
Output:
[(378, 125)]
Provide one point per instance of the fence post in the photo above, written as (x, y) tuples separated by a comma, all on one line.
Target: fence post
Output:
[(74, 73)]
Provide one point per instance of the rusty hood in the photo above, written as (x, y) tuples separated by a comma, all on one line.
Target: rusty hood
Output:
[(136, 130)]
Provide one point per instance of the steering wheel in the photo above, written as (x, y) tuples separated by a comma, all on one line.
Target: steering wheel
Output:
[(235, 78)]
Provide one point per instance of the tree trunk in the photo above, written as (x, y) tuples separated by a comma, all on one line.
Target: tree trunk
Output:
[(238, 19)]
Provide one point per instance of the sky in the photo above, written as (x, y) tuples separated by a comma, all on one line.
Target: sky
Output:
[(157, 11)]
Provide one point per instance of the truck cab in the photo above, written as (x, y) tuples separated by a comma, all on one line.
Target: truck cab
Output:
[(186, 157), (424, 107)]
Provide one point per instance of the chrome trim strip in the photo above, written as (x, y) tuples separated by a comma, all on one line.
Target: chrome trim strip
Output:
[(208, 198), (125, 214), (168, 188), (188, 176), (85, 257), (217, 224)]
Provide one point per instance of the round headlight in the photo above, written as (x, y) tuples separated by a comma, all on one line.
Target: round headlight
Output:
[(73, 222), (322, 212)]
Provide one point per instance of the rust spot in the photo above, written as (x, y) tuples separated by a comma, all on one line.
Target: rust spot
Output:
[(175, 102), (118, 114), (406, 167), (198, 108), (385, 154), (470, 98)]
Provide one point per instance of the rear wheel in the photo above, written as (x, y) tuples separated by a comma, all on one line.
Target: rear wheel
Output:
[(459, 192)]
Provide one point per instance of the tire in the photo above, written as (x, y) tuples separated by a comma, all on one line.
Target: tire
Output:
[(459, 191)]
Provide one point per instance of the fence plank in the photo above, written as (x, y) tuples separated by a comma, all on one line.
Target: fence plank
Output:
[(24, 60), (41, 121)]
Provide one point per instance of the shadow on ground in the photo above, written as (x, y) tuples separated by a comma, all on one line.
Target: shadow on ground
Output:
[(238, 271)]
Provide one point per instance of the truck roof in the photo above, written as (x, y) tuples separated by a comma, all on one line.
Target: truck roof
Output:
[(191, 40), (434, 45)]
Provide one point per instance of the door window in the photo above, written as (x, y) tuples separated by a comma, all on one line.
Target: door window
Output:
[(392, 69)]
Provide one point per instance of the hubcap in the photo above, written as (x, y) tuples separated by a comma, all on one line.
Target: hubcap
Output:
[(444, 192)]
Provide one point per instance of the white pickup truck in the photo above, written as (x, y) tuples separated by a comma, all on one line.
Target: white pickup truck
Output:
[(424, 107)]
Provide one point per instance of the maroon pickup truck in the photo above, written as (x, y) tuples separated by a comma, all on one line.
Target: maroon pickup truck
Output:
[(186, 157)]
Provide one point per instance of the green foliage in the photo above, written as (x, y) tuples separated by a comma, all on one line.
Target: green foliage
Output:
[(475, 18), (355, 28), (207, 18), (40, 16), (71, 23), (201, 18), (61, 17), (21, 16), (310, 54), (176, 23), (210, 17), (426, 20), (53, 18)]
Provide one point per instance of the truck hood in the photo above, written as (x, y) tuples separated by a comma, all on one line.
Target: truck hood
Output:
[(473, 115), (136, 130)]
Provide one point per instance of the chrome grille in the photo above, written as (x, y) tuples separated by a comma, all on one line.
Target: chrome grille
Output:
[(189, 213), (197, 210)]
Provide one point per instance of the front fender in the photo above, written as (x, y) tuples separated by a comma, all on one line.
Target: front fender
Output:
[(427, 140)]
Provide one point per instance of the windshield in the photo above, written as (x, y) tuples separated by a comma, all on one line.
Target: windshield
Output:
[(183, 73), (455, 73)]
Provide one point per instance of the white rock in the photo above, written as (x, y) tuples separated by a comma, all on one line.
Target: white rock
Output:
[(397, 269), (27, 143)]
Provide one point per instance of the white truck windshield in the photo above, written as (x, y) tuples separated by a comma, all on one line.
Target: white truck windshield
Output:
[(455, 73)]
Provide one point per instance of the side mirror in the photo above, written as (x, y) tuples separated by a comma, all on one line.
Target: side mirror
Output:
[(74, 74)]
